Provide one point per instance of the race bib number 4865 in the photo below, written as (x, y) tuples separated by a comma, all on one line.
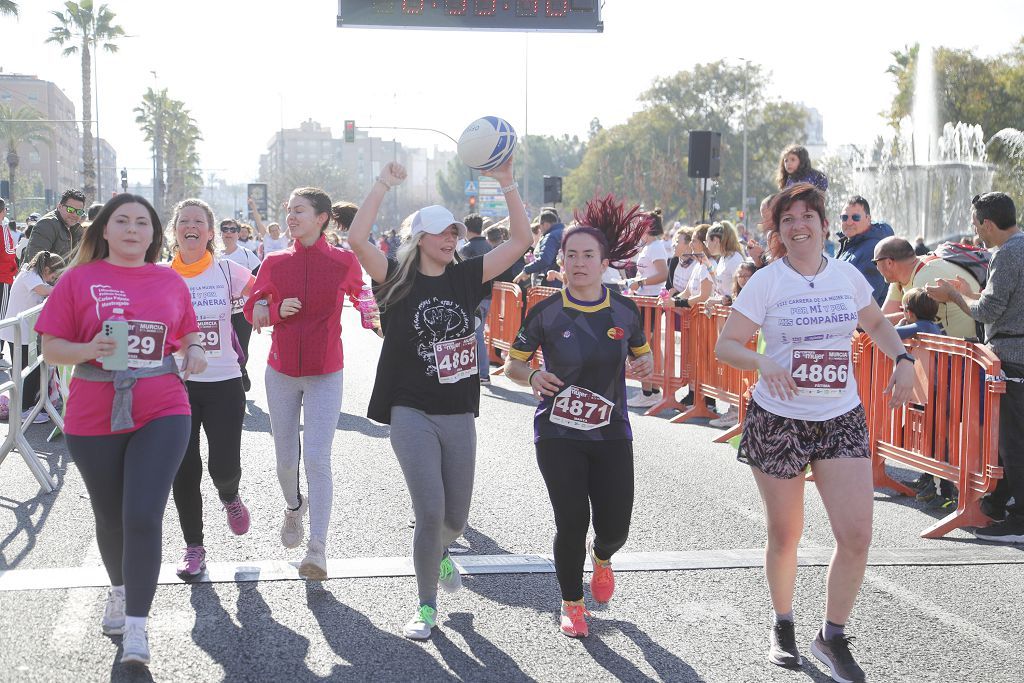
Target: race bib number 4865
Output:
[(456, 359), (580, 408), (818, 372)]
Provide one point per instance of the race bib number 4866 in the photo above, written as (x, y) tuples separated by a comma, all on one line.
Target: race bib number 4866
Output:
[(818, 372)]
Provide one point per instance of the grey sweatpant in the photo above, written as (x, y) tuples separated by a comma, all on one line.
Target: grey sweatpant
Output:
[(321, 396), (437, 454)]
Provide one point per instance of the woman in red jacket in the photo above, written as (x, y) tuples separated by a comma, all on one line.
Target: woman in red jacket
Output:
[(300, 291)]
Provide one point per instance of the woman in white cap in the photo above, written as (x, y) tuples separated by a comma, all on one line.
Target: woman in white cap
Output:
[(427, 386)]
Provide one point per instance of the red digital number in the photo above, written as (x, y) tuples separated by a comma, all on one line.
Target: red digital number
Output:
[(456, 8), (557, 8), (412, 6), (527, 8), (486, 8)]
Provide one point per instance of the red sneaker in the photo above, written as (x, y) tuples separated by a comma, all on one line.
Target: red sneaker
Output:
[(574, 620), (602, 582), (238, 516)]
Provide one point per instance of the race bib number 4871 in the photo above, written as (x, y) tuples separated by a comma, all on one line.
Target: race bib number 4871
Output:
[(819, 372), (580, 408), (456, 359)]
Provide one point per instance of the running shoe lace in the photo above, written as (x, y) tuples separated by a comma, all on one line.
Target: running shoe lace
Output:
[(235, 508), (446, 568), (841, 646), (576, 612), (193, 553), (426, 615)]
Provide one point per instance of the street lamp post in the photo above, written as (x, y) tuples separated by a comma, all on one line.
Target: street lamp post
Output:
[(743, 198)]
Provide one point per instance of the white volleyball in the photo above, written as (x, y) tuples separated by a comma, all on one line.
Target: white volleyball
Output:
[(487, 143)]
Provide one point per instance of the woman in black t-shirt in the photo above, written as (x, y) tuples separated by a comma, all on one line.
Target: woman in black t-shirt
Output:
[(427, 386), (581, 429)]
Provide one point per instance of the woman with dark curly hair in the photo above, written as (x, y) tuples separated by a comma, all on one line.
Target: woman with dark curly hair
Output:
[(795, 167)]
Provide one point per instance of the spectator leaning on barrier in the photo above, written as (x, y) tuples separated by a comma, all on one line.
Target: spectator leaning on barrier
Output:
[(546, 252), (1000, 306), (904, 270), (857, 242), (59, 231)]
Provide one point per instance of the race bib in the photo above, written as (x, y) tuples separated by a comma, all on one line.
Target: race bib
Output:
[(210, 337), (455, 359), (579, 408), (146, 343), (820, 372)]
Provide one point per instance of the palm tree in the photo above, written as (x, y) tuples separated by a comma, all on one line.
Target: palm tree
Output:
[(19, 127), (172, 132), (79, 26), (150, 117), (9, 8)]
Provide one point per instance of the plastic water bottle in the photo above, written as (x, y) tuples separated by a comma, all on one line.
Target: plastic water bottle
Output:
[(369, 313)]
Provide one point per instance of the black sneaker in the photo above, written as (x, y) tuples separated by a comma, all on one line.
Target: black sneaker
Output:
[(997, 511), (835, 654), (246, 383), (1010, 530), (783, 651)]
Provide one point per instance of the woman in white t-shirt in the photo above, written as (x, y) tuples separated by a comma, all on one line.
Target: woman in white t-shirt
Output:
[(724, 247), (806, 411), (651, 271), (31, 287), (215, 395)]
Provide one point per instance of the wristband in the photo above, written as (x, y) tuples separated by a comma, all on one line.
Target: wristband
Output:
[(509, 188), (384, 183), (530, 380), (198, 346), (905, 356), (261, 302)]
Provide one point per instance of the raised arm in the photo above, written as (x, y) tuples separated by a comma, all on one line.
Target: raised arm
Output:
[(501, 258), (261, 229), (373, 260)]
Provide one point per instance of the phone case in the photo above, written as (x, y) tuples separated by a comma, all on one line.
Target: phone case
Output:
[(118, 331)]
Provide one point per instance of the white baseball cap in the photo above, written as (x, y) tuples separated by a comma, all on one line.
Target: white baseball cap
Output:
[(435, 220)]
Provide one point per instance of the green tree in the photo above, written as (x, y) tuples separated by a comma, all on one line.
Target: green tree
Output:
[(644, 160), (8, 8), (82, 28), (173, 135), (21, 126)]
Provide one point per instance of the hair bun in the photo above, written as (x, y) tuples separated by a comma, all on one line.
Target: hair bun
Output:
[(657, 211)]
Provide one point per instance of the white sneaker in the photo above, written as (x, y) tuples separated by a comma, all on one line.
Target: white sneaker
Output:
[(314, 564), (420, 626), (728, 419), (292, 530), (135, 645), (641, 401), (449, 578), (113, 613)]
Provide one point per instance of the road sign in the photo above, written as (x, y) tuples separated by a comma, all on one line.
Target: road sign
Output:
[(491, 200), (470, 188)]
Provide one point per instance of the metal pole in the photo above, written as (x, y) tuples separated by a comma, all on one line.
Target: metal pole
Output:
[(96, 88), (743, 199), (526, 122)]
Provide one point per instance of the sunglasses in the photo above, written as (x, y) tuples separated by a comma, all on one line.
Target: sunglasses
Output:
[(855, 217), (228, 228), (882, 258), (75, 212)]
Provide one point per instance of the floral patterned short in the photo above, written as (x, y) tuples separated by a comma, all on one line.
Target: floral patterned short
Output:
[(782, 447)]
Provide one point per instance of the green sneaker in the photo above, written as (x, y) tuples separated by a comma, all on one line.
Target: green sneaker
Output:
[(422, 624), (449, 579)]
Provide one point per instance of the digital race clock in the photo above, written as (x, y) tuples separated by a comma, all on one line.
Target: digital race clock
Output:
[(501, 15)]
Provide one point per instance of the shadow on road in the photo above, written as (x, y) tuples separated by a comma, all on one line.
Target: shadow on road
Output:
[(520, 397), (257, 644), (31, 515), (668, 666), (256, 419), (371, 653), (363, 425), (493, 665)]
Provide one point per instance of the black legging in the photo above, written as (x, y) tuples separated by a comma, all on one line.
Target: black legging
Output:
[(30, 390), (128, 477), (218, 408), (243, 329), (581, 474)]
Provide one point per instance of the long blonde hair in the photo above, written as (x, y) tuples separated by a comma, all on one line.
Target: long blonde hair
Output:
[(399, 284)]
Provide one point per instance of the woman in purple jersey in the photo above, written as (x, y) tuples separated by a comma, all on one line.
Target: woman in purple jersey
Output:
[(588, 335)]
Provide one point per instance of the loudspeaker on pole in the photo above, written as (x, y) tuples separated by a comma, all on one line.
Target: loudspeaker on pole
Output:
[(704, 156)]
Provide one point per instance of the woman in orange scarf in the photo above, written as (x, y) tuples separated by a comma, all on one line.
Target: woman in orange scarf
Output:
[(216, 395)]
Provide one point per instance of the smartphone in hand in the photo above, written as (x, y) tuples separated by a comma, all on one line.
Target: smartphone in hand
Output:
[(118, 331)]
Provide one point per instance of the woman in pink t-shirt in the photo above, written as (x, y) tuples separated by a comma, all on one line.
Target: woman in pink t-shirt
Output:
[(126, 430)]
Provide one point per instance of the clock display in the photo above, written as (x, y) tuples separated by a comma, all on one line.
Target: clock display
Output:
[(501, 15)]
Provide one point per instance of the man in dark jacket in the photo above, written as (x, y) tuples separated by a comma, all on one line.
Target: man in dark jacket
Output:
[(857, 243), (59, 231), (478, 246), (545, 256)]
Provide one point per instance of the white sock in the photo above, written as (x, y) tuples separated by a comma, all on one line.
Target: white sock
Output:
[(119, 590), (135, 621)]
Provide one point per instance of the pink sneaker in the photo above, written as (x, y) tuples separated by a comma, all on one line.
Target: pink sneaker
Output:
[(193, 562), (238, 516)]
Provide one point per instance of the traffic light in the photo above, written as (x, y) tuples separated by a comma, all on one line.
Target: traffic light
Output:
[(472, 204), (350, 130)]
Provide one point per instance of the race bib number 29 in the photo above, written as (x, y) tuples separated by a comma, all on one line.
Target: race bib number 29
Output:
[(579, 408), (818, 372), (209, 337), (146, 343), (455, 359)]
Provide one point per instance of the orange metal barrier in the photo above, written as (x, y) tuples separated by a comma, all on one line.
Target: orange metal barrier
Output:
[(666, 335), (503, 319), (534, 295), (950, 429), (710, 377)]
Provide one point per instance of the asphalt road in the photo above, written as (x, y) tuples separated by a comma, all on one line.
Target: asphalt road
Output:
[(958, 620)]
